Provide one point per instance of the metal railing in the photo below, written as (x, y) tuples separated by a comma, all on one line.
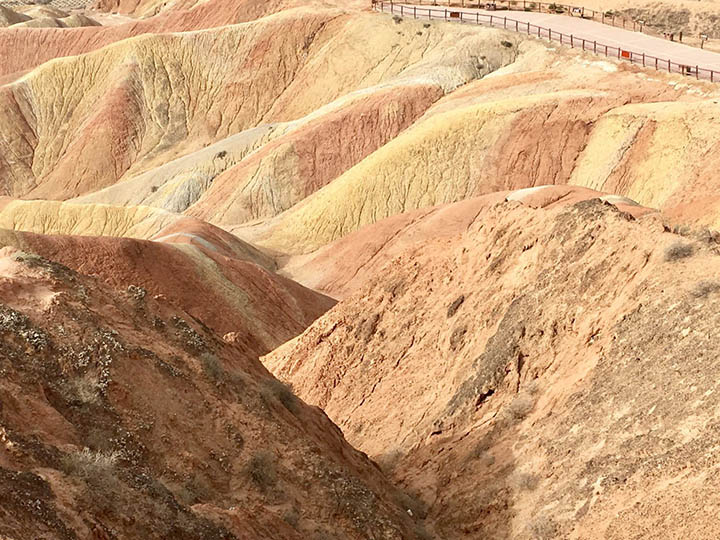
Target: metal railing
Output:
[(608, 17), (540, 32)]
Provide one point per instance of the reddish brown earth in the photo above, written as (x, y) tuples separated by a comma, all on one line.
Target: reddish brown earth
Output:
[(551, 374), (124, 417), (226, 292), (25, 48), (499, 355), (342, 267)]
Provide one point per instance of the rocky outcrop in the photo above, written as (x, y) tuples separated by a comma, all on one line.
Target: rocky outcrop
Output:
[(550, 373)]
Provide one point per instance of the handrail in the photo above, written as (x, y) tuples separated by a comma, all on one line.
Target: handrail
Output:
[(499, 21), (607, 17)]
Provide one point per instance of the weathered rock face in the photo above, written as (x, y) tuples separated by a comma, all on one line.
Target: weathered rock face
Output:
[(124, 417), (219, 285), (550, 373), (533, 122), (144, 102), (346, 265)]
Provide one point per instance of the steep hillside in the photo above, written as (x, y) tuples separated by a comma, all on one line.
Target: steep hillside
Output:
[(23, 48), (79, 124), (551, 374), (549, 117), (123, 417), (346, 265), (225, 290)]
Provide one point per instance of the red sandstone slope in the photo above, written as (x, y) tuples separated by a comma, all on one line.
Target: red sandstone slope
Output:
[(25, 48), (123, 417), (552, 373), (347, 264), (226, 292)]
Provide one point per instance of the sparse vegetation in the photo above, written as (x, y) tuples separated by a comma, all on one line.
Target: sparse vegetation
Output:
[(526, 481), (520, 406), (678, 250), (705, 287), (136, 293), (291, 517), (83, 390), (94, 467), (262, 470), (389, 460), (275, 390), (543, 528)]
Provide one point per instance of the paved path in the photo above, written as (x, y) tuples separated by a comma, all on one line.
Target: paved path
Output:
[(590, 31)]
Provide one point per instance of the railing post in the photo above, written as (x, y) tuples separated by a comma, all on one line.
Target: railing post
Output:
[(572, 43), (697, 72), (669, 70), (477, 18), (446, 14), (595, 47), (583, 44), (528, 33), (516, 26), (656, 63), (414, 12), (401, 10), (643, 59), (711, 75), (505, 22)]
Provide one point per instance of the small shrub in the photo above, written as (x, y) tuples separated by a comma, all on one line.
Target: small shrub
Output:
[(278, 390), (506, 44), (212, 368), (397, 19), (526, 481), (221, 154), (96, 468), (543, 528), (153, 189), (389, 460), (426, 25), (678, 250), (195, 490), (705, 287), (83, 390), (262, 470), (521, 406), (291, 517)]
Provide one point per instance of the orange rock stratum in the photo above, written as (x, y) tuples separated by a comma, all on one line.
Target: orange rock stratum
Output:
[(301, 270)]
